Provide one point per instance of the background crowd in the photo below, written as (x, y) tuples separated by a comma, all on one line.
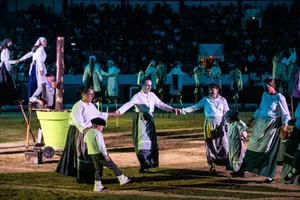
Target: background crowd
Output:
[(132, 36)]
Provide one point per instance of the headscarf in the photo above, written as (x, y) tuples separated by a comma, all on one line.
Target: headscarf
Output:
[(4, 43), (39, 41), (92, 57)]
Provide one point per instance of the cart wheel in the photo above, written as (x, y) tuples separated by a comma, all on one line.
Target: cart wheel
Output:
[(48, 152)]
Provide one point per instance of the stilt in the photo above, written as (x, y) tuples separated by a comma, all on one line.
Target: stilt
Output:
[(107, 108), (117, 118), (292, 107), (28, 126), (171, 102)]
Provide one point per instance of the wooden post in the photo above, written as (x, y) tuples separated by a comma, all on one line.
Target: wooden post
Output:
[(60, 67)]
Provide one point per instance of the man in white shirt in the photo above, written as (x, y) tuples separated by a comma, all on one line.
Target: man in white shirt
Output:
[(143, 130)]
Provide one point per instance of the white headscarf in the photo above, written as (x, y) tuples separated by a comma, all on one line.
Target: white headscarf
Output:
[(92, 57), (39, 41)]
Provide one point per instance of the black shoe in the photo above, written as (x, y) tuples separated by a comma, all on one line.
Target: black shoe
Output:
[(290, 176), (269, 181), (143, 171), (237, 174), (212, 170)]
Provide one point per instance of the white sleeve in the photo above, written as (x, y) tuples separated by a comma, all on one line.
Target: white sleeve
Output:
[(76, 116), (129, 104), (284, 109), (101, 144), (195, 107), (28, 55), (40, 58)]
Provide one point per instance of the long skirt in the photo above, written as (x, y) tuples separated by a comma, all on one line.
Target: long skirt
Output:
[(216, 141), (75, 161), (8, 92), (32, 81), (292, 157), (145, 140), (261, 154)]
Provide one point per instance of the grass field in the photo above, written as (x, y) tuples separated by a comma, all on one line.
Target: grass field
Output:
[(182, 173)]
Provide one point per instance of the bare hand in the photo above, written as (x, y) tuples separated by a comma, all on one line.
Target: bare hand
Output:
[(42, 72), (40, 102), (177, 111), (107, 158), (284, 127)]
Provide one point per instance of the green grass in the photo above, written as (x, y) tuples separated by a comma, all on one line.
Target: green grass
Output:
[(13, 126), (162, 183)]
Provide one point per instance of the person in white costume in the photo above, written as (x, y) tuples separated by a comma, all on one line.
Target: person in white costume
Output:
[(215, 133), (143, 130), (37, 70)]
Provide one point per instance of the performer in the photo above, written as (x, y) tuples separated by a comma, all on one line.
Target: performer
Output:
[(7, 80), (272, 115), (92, 76), (290, 63), (141, 76), (199, 71), (279, 72), (37, 69), (151, 73), (176, 84), (45, 96), (143, 130), (215, 73), (237, 133), (75, 160), (161, 78), (215, 134), (97, 150), (236, 83), (291, 164)]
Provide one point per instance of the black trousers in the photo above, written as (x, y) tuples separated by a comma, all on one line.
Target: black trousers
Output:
[(100, 161)]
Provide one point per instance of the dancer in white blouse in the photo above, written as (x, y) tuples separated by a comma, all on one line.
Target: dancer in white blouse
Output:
[(143, 130), (7, 80), (215, 134), (80, 122), (37, 69), (272, 115)]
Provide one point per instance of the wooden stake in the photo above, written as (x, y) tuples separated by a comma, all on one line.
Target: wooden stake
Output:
[(60, 67)]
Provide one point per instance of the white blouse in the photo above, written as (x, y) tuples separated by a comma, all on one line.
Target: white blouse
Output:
[(39, 57), (82, 114), (273, 106), (5, 59), (145, 103), (212, 107)]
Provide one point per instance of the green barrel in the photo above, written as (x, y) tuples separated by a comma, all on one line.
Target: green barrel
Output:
[(55, 127)]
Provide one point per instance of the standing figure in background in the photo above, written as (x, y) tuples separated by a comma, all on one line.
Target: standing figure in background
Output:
[(151, 73), (279, 72), (236, 83), (176, 84), (215, 74), (237, 133), (272, 116), (37, 69), (290, 63), (161, 78), (7, 80), (215, 134), (92, 76), (199, 71), (141, 76)]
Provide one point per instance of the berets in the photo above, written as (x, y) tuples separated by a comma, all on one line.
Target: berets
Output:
[(98, 121)]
